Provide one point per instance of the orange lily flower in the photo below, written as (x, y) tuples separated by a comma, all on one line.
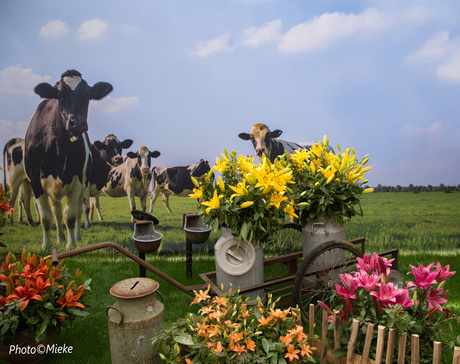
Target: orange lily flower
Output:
[(264, 320), (24, 293), (292, 354), (69, 300)]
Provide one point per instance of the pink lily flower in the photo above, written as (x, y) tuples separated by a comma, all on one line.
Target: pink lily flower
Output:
[(403, 299), (424, 278), (366, 264), (443, 273), (368, 281), (347, 296), (349, 282), (435, 297), (387, 294)]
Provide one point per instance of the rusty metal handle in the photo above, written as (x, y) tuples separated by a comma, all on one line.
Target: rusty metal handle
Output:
[(116, 309), (162, 299)]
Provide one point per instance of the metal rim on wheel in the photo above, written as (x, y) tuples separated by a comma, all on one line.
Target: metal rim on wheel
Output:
[(319, 271)]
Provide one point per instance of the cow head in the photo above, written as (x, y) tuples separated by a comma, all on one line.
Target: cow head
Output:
[(111, 149), (143, 156), (260, 136), (200, 168), (73, 94)]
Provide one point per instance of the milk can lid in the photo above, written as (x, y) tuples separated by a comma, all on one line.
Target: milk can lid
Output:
[(134, 288)]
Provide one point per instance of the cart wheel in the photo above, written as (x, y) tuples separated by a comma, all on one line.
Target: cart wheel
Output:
[(319, 272)]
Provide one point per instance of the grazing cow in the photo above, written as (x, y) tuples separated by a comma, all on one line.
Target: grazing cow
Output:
[(57, 154), (132, 178), (106, 155), (18, 183), (267, 142), (175, 181)]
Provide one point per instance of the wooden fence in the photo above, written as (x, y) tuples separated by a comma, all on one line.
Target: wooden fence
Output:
[(326, 354)]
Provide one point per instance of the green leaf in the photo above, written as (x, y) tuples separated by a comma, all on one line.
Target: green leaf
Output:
[(86, 285), (33, 320), (77, 312), (274, 359), (266, 345), (49, 306), (244, 231), (183, 339)]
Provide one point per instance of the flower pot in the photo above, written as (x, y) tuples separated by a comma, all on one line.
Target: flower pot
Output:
[(318, 231), (25, 349), (239, 264)]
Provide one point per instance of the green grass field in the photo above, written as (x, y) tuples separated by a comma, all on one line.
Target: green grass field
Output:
[(424, 226)]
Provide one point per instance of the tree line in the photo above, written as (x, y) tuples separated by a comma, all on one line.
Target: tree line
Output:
[(412, 188)]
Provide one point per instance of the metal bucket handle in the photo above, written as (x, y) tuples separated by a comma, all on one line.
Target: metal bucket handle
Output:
[(162, 299), (116, 309)]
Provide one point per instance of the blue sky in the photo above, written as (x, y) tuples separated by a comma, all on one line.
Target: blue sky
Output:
[(189, 76)]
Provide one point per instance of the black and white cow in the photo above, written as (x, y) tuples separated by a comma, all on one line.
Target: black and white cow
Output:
[(175, 181), (106, 155), (57, 154), (132, 178), (267, 142), (19, 185)]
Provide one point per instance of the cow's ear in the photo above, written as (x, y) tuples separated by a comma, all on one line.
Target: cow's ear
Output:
[(132, 155), (99, 145), (125, 144), (154, 154), (46, 91), (100, 89), (244, 136), (276, 133)]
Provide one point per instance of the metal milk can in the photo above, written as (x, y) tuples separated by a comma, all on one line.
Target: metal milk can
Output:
[(133, 320)]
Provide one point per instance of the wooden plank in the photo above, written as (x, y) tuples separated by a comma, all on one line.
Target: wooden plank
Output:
[(391, 346), (367, 342), (324, 336), (283, 258), (437, 353), (380, 344), (402, 348), (352, 342), (415, 349), (336, 335), (456, 355)]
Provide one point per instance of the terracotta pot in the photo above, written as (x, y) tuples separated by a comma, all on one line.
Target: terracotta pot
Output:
[(25, 349)]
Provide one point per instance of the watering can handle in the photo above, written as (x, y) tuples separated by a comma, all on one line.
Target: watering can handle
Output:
[(116, 309)]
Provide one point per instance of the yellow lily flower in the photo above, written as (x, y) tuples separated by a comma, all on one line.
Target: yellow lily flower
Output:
[(213, 203), (289, 209), (240, 190), (197, 193), (276, 199)]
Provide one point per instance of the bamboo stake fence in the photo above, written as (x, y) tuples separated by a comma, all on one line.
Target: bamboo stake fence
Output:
[(326, 355)]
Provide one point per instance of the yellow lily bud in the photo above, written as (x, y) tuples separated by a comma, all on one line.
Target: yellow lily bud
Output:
[(301, 204), (316, 184), (195, 182), (368, 190), (247, 204), (331, 177), (221, 184), (325, 141), (312, 167), (366, 169)]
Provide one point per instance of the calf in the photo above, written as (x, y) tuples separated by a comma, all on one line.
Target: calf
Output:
[(132, 178), (106, 155), (18, 183), (267, 142), (57, 156), (175, 181)]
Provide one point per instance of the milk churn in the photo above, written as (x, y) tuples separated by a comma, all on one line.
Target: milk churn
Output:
[(240, 263), (133, 320)]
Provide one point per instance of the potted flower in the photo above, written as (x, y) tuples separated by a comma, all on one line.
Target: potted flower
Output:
[(228, 330), (5, 208), (37, 299), (326, 192), (248, 201), (416, 307)]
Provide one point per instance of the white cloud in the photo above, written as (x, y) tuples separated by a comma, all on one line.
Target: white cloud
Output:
[(328, 28), (218, 44), (115, 105), (434, 48), (268, 32), (435, 129), (92, 29), (54, 29), (450, 70), (11, 129), (20, 81)]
